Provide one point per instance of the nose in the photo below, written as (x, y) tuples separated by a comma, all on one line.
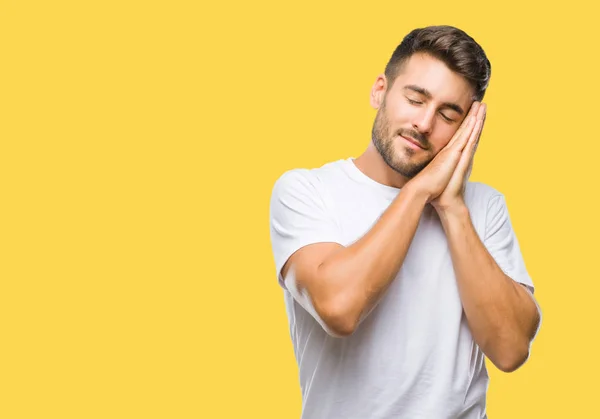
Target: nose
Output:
[(423, 121)]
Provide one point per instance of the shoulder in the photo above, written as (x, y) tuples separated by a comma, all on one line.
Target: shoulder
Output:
[(479, 195), (308, 180), (295, 182)]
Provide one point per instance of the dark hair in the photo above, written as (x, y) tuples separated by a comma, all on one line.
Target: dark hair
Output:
[(451, 45)]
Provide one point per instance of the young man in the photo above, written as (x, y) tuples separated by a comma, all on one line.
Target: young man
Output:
[(399, 275)]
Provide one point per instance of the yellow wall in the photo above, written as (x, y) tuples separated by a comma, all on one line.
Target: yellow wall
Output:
[(139, 144)]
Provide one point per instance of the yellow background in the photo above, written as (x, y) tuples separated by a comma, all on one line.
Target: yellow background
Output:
[(139, 145)]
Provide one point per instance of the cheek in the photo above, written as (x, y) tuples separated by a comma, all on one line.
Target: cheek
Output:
[(403, 112), (440, 141)]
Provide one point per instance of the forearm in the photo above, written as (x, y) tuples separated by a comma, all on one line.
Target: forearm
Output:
[(355, 277), (502, 315)]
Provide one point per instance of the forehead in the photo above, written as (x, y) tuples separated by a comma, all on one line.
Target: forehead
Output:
[(433, 75)]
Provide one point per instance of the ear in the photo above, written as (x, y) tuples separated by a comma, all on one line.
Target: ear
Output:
[(378, 91)]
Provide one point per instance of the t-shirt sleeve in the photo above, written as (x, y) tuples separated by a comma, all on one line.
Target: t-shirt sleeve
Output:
[(502, 243), (299, 216)]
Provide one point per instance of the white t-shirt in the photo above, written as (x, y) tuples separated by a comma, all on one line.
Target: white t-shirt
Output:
[(413, 356)]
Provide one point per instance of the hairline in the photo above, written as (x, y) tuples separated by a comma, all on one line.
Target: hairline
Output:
[(399, 66)]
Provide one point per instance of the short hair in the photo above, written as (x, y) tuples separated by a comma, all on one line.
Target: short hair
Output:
[(452, 46)]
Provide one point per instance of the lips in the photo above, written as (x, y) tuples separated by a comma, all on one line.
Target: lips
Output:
[(413, 141)]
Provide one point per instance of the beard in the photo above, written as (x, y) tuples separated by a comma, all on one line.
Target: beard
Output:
[(402, 161)]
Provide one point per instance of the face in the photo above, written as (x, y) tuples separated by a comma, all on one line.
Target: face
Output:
[(419, 114)]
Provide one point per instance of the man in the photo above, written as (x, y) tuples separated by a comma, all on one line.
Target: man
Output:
[(399, 275)]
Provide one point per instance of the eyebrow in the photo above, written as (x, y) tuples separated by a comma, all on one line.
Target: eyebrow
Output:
[(428, 95)]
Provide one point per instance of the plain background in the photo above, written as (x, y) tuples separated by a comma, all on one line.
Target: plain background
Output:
[(139, 142)]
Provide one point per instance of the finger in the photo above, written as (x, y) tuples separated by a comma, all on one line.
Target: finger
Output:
[(481, 111), (467, 155), (471, 147), (469, 150), (464, 127), (466, 134), (483, 117), (464, 123), (463, 169), (474, 108), (453, 156)]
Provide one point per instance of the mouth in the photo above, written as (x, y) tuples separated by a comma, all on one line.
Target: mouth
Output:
[(412, 143)]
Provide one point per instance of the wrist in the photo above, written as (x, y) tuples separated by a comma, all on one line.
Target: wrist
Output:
[(417, 193), (456, 221), (456, 210)]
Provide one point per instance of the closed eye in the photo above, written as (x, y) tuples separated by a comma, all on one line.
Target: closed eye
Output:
[(414, 102), (446, 118), (418, 102)]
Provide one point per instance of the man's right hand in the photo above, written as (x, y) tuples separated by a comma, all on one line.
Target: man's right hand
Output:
[(434, 178)]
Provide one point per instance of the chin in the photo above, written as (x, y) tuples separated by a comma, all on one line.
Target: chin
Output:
[(409, 157), (409, 167)]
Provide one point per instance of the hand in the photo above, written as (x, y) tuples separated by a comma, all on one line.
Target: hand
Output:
[(453, 194), (435, 177)]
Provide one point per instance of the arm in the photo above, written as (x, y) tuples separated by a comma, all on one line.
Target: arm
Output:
[(340, 285), (502, 314)]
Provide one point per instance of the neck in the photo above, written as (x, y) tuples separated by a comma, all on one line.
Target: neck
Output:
[(372, 165)]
